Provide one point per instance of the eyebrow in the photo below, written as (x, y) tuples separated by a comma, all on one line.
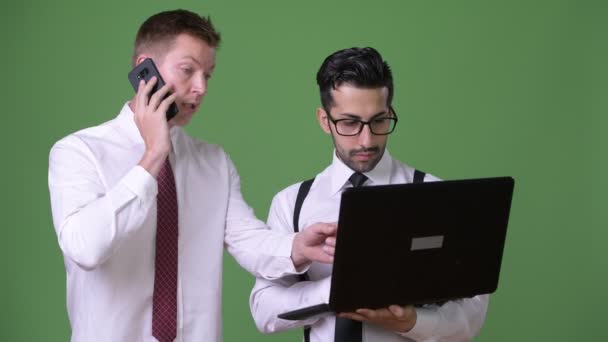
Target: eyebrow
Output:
[(197, 62), (354, 116), (192, 59)]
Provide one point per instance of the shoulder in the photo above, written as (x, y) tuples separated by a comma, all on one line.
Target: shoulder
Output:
[(285, 200), (86, 139), (406, 172), (282, 208), (288, 195)]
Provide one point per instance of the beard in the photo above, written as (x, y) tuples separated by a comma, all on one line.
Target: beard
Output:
[(348, 157)]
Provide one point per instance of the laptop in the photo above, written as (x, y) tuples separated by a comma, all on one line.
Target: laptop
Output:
[(416, 244)]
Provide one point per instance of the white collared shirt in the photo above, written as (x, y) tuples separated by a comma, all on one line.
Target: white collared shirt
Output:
[(458, 320), (104, 213)]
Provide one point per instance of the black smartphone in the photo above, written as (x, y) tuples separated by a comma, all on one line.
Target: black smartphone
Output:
[(144, 71)]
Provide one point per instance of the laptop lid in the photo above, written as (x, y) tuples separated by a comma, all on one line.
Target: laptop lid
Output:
[(419, 243)]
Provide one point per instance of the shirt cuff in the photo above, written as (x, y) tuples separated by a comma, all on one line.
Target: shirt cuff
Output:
[(137, 183), (141, 183), (283, 265), (285, 250), (426, 323)]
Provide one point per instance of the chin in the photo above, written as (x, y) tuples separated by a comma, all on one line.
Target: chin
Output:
[(363, 166)]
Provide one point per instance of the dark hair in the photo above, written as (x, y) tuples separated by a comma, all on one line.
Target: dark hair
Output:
[(161, 29), (359, 67)]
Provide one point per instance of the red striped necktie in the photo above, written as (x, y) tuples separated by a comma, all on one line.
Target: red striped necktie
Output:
[(164, 305)]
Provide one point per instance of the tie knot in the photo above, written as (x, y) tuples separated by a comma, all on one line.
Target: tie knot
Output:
[(357, 179)]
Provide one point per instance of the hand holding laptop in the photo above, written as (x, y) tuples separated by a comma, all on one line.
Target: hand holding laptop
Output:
[(395, 318)]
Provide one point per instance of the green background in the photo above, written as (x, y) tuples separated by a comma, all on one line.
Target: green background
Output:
[(483, 88)]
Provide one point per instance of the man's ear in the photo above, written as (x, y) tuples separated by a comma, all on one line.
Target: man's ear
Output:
[(323, 120), (140, 58)]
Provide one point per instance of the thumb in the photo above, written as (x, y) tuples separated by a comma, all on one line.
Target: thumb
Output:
[(397, 311), (330, 228)]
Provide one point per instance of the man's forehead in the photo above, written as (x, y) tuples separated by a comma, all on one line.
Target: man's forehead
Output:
[(346, 97), (198, 53), (352, 93)]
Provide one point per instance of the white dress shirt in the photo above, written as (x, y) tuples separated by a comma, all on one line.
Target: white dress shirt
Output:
[(458, 320), (104, 213)]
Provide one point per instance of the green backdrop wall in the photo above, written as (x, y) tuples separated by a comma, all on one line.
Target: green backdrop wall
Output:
[(483, 88)]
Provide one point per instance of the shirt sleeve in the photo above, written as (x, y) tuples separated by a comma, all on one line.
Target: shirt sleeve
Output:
[(271, 298), (458, 320), (261, 251), (91, 220)]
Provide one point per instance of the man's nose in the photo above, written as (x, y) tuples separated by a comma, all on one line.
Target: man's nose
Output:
[(199, 86), (365, 137)]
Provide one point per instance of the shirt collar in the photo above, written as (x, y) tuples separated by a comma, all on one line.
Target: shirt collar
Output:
[(126, 118), (339, 172)]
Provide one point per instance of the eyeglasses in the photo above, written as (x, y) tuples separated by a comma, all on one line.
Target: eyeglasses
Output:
[(378, 125)]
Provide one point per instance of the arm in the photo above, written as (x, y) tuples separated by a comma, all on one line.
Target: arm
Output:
[(262, 252), (458, 320), (267, 253), (256, 248), (90, 220), (270, 298)]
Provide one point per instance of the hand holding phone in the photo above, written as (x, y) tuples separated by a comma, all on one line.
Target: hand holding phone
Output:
[(145, 71)]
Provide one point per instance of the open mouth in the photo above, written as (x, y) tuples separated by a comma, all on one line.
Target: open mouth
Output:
[(190, 106)]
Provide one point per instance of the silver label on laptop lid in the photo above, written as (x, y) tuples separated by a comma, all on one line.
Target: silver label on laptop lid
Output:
[(427, 242)]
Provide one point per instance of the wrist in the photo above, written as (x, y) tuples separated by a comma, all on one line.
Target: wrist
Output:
[(297, 257), (422, 325), (407, 326), (153, 161)]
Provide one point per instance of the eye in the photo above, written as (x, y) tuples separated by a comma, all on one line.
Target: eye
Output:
[(187, 70), (379, 121), (350, 123)]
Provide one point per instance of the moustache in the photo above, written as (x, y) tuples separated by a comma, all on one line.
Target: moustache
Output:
[(374, 149)]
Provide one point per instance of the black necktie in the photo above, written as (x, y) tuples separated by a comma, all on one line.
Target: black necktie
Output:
[(348, 330), (357, 179)]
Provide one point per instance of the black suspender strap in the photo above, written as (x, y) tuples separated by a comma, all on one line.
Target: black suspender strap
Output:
[(302, 193), (307, 333), (419, 176)]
